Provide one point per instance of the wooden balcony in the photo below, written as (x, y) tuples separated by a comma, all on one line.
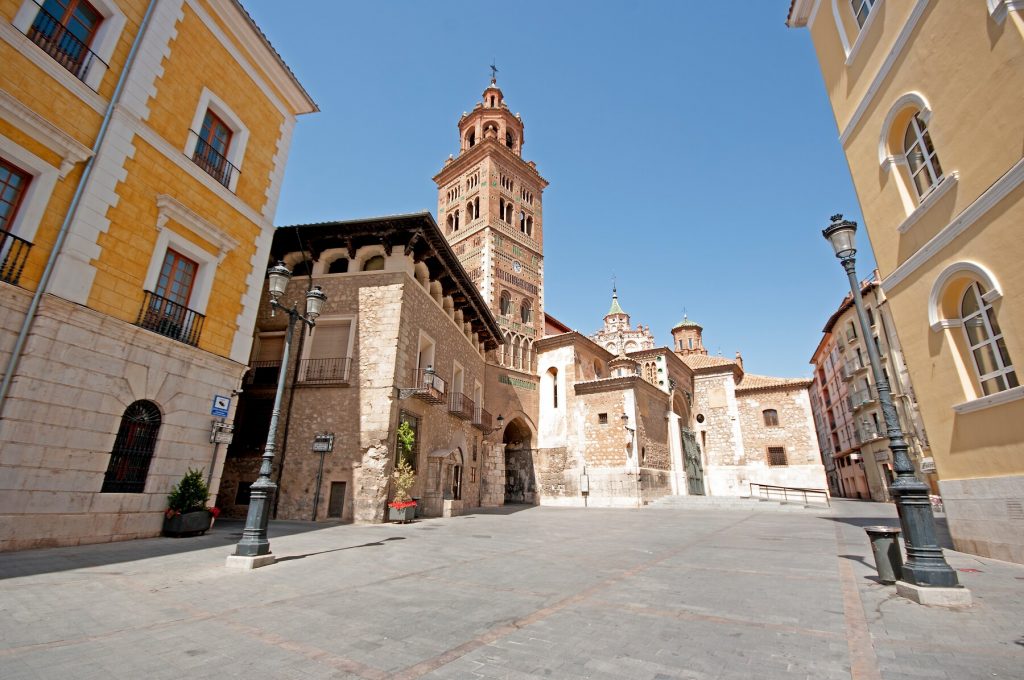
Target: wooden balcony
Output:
[(428, 386)]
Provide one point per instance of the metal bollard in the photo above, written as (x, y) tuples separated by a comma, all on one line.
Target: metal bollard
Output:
[(885, 544)]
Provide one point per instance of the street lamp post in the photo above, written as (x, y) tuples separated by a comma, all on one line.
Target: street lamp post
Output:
[(925, 564), (631, 443), (254, 542)]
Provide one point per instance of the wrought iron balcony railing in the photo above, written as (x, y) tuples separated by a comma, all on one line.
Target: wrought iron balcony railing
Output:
[(59, 42), (13, 255), (263, 373), (461, 406), (482, 419), (862, 397), (213, 162), (170, 319), (331, 371), (428, 386)]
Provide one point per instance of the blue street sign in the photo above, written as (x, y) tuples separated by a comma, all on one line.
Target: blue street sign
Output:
[(221, 405)]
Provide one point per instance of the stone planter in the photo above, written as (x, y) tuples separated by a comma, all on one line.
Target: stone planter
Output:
[(192, 523), (402, 515)]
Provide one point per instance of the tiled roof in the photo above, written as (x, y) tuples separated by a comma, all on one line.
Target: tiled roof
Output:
[(763, 382), (698, 361), (615, 308), (687, 323)]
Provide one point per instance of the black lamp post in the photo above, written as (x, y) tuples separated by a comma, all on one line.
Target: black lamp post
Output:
[(261, 494), (925, 564)]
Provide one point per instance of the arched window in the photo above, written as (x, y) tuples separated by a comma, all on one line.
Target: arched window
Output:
[(922, 160), (526, 311), (985, 342), (861, 10), (374, 264), (302, 268), (501, 208), (476, 207), (508, 212), (771, 417), (133, 449), (510, 141), (522, 221), (339, 266), (506, 303), (529, 226), (471, 138)]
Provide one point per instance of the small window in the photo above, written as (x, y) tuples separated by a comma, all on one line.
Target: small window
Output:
[(922, 160), (861, 10), (176, 277), (133, 449), (526, 311), (777, 456), (506, 303), (771, 417), (339, 266), (602, 418), (64, 29), (304, 268), (985, 341), (13, 183), (700, 418), (374, 264)]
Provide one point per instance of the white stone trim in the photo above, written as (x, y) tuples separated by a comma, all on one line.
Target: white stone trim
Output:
[(28, 49), (841, 29), (1004, 397), (852, 52), (280, 160), (169, 207), (40, 188), (909, 100), (967, 217), (281, 78), (883, 71), (930, 199), (239, 132), (246, 319), (146, 70), (803, 13), (935, 319), (999, 9), (211, 25), (207, 261), (103, 43), (31, 123), (185, 163)]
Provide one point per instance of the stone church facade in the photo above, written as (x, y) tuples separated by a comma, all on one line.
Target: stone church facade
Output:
[(443, 325)]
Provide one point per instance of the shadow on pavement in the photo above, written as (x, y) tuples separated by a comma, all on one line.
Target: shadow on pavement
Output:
[(286, 558), (507, 509), (224, 534)]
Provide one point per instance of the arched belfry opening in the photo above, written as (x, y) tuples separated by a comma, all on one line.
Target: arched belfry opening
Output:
[(520, 481)]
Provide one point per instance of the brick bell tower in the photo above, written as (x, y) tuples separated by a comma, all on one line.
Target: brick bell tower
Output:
[(489, 204)]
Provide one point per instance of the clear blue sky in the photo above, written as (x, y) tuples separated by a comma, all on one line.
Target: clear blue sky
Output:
[(690, 148)]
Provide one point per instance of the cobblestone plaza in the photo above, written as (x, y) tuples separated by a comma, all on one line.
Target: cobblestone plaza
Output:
[(531, 593)]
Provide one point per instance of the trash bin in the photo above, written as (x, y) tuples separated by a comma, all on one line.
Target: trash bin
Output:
[(416, 510), (885, 544)]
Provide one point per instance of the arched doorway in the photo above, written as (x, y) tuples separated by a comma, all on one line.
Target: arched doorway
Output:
[(520, 482)]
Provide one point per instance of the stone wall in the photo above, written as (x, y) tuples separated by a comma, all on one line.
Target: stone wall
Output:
[(79, 372)]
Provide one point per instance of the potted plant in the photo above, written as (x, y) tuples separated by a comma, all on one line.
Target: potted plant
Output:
[(402, 507), (187, 514)]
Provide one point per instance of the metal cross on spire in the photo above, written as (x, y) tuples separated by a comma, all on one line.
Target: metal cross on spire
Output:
[(614, 291), (494, 72)]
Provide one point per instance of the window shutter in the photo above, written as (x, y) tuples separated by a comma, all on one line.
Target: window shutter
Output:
[(271, 348), (330, 341)]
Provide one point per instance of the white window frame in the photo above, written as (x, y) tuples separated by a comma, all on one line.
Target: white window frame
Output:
[(991, 338), (920, 128), (43, 179), (429, 341), (456, 370), (103, 43), (208, 101)]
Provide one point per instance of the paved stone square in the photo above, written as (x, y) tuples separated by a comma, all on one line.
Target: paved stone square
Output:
[(521, 593)]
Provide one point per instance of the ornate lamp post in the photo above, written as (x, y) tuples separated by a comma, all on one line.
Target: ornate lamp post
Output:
[(632, 455), (925, 565), (254, 541)]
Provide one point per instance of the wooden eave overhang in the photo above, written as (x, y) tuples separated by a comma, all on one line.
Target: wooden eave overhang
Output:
[(419, 237)]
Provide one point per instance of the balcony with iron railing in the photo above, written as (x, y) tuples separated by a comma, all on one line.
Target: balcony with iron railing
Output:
[(853, 367), (482, 419), (333, 371), (13, 255), (212, 161), (263, 374), (58, 41), (461, 406), (865, 434), (428, 386), (170, 319), (862, 397)]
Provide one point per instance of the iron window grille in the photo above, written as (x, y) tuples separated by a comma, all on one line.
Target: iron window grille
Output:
[(133, 449)]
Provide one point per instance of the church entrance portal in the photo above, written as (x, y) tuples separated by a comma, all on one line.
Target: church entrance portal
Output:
[(694, 467), (520, 483)]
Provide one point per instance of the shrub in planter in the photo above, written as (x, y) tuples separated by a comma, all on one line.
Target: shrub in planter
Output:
[(402, 506), (186, 512)]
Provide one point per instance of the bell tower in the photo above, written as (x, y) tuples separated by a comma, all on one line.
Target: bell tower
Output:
[(489, 204)]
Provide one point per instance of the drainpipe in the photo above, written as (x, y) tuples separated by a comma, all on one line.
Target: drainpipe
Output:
[(65, 227)]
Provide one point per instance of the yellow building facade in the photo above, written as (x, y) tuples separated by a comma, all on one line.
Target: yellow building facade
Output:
[(927, 98), (142, 149)]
